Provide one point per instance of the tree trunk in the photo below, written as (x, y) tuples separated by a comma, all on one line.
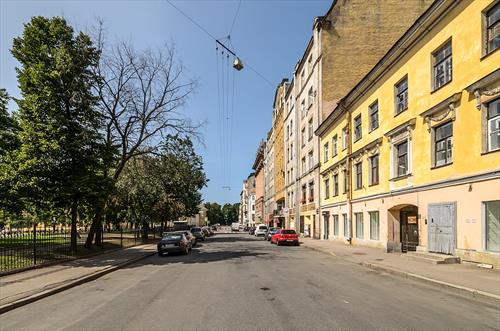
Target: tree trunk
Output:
[(96, 223), (145, 230), (99, 235), (74, 219)]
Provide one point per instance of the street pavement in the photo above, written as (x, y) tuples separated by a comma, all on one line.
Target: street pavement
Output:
[(238, 282)]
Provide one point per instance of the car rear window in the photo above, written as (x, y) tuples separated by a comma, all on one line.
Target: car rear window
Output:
[(288, 231), (172, 236)]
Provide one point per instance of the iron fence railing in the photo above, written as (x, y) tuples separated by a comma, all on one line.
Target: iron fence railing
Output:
[(28, 247)]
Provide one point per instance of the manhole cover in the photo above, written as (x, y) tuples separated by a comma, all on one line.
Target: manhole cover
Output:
[(265, 288)]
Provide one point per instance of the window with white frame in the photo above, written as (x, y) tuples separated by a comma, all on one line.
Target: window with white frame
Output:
[(303, 108), (302, 78), (310, 129), (327, 188), (310, 159), (346, 225), (325, 152), (443, 144), (310, 97), (344, 138), (493, 28), (493, 125), (303, 163), (304, 194), (311, 191), (359, 225), (401, 158), (291, 151), (335, 225), (357, 128), (334, 146), (492, 225), (373, 112), (303, 137), (335, 185), (291, 127), (358, 170), (374, 169), (310, 63), (374, 225), (401, 95), (442, 66), (344, 177)]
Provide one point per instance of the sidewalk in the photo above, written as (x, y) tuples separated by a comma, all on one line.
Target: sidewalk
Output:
[(22, 288), (465, 277)]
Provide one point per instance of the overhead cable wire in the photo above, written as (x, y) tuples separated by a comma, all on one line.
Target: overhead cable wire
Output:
[(234, 19), (220, 112), (211, 36)]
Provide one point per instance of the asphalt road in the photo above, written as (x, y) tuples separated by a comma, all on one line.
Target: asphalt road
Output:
[(235, 282)]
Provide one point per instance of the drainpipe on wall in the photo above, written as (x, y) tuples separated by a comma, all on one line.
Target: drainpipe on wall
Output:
[(349, 173)]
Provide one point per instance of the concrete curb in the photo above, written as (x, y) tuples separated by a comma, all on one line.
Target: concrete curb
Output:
[(477, 294), (85, 279)]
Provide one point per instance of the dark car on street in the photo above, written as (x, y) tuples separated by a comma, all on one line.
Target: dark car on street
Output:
[(174, 242), (190, 237), (198, 233), (206, 231), (270, 232), (251, 231)]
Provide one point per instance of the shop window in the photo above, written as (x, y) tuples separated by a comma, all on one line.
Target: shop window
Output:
[(374, 225), (335, 225), (492, 225), (359, 225)]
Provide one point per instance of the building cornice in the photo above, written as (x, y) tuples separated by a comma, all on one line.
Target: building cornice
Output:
[(411, 37), (435, 185)]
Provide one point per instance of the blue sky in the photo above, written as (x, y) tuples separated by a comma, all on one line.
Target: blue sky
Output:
[(268, 35)]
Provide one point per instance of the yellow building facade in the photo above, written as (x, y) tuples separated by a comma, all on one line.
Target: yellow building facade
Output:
[(279, 154), (422, 141)]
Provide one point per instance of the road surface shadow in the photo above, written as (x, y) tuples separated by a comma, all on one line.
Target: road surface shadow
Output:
[(199, 256)]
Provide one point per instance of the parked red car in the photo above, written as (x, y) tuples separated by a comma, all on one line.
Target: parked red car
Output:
[(285, 236)]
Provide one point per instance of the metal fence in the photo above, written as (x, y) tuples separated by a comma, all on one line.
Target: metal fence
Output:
[(26, 248)]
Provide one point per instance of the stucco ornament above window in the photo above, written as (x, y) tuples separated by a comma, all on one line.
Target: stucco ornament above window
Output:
[(401, 130), (486, 89), (445, 109)]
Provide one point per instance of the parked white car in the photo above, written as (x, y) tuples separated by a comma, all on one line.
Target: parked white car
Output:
[(260, 230)]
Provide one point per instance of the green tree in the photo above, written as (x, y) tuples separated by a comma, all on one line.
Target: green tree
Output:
[(141, 94), (8, 143), (61, 156), (8, 126), (163, 186), (214, 213)]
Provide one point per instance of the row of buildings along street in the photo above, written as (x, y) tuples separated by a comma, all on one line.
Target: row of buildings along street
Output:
[(387, 133)]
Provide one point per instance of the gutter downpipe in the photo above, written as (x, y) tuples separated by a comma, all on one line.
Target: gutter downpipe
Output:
[(349, 171)]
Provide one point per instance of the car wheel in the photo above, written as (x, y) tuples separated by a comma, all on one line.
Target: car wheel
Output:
[(277, 242), (186, 251), (160, 254)]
